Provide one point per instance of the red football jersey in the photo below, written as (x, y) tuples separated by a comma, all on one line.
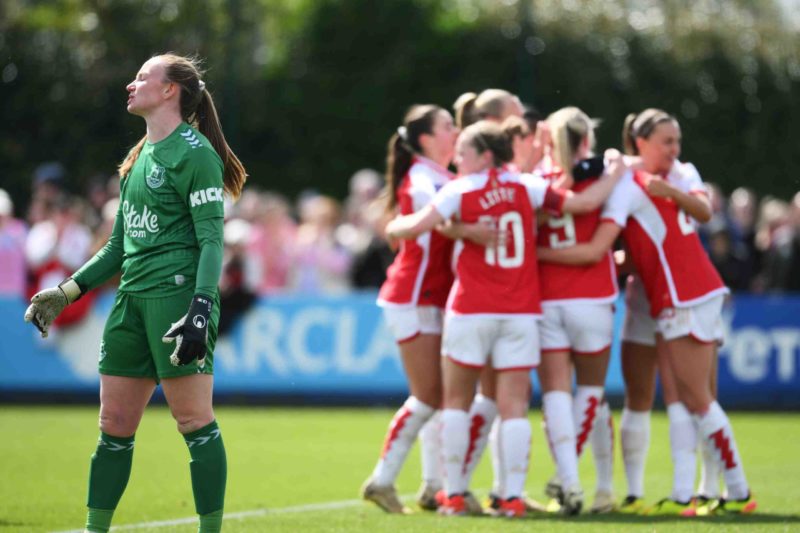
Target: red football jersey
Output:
[(664, 246), (421, 273), (562, 284), (498, 280)]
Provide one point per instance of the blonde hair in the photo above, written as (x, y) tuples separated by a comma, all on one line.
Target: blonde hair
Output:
[(569, 127), (197, 108)]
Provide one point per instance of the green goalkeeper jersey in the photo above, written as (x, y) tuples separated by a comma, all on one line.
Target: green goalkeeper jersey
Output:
[(167, 234)]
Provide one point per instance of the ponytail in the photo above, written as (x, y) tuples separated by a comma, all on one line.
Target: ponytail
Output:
[(398, 161), (234, 174), (569, 127), (403, 144), (628, 139), (464, 108), (133, 154)]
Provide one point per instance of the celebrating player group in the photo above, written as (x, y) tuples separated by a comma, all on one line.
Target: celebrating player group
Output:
[(510, 265)]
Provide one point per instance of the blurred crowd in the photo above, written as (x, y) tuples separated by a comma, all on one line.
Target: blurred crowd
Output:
[(319, 245)]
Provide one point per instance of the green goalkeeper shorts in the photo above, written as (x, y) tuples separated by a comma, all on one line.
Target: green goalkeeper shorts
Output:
[(132, 344)]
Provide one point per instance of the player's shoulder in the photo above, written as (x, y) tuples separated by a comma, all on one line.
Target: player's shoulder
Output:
[(468, 183), (630, 180), (423, 172), (686, 176), (187, 148)]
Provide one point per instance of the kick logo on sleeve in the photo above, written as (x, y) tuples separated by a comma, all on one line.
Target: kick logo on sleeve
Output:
[(204, 196)]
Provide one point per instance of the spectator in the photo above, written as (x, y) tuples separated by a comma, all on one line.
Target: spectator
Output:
[(97, 195), (270, 244), (13, 233), (772, 234), (368, 270), (728, 258), (782, 259), (365, 187), (236, 291), (320, 262), (55, 248), (357, 232), (742, 218)]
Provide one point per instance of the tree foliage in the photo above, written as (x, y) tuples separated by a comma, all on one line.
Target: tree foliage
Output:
[(310, 90)]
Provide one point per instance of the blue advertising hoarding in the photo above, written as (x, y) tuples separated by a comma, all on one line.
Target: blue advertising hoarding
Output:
[(330, 347)]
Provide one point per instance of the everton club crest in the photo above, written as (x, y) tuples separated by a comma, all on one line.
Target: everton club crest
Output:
[(156, 177)]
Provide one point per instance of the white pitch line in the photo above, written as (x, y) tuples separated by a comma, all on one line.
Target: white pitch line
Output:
[(305, 508)]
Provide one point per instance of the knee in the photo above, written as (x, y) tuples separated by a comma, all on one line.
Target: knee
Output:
[(638, 399), (118, 422), (509, 408), (457, 400), (431, 395), (191, 420)]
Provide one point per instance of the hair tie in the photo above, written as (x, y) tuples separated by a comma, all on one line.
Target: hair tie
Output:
[(201, 84), (403, 133)]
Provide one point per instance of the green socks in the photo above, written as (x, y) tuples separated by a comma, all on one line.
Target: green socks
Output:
[(108, 475), (209, 471), (111, 468), (211, 522)]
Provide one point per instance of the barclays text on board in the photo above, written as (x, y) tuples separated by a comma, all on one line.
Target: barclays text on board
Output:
[(303, 345)]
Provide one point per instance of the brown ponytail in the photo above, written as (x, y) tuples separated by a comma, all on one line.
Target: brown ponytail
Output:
[(197, 108), (234, 174), (628, 140), (404, 144), (133, 154)]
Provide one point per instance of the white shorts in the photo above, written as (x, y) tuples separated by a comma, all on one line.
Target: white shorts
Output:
[(512, 342), (639, 327), (586, 329), (407, 323), (703, 322)]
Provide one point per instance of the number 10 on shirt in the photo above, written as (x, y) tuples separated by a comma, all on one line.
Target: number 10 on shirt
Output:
[(508, 224)]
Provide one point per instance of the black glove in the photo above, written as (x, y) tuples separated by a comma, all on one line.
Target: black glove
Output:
[(190, 333), (588, 168)]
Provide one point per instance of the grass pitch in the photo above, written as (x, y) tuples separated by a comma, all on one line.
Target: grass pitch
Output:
[(301, 469)]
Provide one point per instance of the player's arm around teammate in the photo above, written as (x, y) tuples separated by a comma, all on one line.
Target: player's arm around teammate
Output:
[(167, 240), (412, 299), (577, 323), (473, 322), (685, 295)]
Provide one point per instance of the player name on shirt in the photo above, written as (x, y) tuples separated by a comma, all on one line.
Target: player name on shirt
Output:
[(495, 196)]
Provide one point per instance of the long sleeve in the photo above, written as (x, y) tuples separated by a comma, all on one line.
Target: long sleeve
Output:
[(106, 262), (209, 268)]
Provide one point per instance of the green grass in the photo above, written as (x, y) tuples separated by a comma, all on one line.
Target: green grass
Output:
[(280, 458)]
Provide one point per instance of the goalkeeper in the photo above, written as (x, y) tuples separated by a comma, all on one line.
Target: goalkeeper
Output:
[(167, 241)]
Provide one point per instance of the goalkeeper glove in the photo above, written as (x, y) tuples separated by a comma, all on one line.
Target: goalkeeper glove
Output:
[(46, 305), (190, 333)]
